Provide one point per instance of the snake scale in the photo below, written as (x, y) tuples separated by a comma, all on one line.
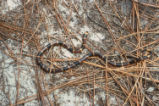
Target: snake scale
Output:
[(85, 57)]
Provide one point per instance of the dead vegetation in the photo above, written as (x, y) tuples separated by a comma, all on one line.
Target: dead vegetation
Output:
[(124, 27)]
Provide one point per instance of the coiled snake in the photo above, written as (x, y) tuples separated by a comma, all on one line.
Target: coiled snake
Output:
[(76, 63)]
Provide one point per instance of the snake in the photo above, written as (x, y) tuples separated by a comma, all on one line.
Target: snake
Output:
[(47, 69)]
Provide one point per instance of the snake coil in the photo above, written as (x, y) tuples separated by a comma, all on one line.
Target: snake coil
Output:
[(76, 63)]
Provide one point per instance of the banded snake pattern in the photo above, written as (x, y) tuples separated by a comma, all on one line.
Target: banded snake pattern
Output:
[(85, 57)]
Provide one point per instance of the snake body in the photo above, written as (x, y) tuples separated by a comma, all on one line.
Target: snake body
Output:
[(85, 57)]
